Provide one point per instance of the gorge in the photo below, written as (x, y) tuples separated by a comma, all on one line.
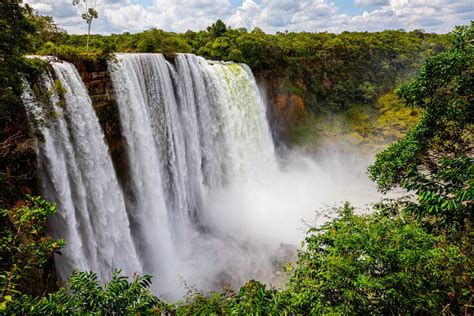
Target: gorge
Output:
[(204, 201), (227, 170)]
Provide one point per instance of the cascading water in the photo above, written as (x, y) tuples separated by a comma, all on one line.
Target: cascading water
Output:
[(151, 149), (203, 200), (77, 173), (248, 142), (187, 131), (228, 116)]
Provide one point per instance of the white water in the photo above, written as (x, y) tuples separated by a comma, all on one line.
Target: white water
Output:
[(77, 174), (187, 131), (206, 200)]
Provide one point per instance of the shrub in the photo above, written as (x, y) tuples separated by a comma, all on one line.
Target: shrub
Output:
[(377, 264)]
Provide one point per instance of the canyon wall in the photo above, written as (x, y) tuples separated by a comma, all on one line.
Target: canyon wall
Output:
[(101, 91)]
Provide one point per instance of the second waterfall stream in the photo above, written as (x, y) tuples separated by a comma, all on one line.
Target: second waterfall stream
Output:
[(187, 130), (203, 201)]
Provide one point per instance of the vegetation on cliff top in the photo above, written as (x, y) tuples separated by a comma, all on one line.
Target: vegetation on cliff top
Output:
[(329, 71)]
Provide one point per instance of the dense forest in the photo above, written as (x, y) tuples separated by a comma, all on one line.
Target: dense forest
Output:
[(304, 73), (411, 255), (329, 71)]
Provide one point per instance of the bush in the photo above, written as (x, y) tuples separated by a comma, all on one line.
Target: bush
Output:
[(85, 296), (26, 251), (435, 159), (378, 264)]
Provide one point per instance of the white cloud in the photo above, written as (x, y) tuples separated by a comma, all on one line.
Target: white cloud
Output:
[(245, 14), (181, 15), (117, 16), (273, 16), (366, 3), (43, 7)]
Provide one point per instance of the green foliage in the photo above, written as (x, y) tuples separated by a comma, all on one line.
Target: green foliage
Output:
[(25, 248), (435, 159), (20, 33), (158, 41), (252, 299), (334, 71), (236, 55), (199, 304), (75, 54), (85, 295), (368, 91), (217, 29), (43, 29), (378, 264)]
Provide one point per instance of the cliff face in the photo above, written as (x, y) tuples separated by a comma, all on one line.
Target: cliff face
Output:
[(97, 81), (284, 108), (18, 160)]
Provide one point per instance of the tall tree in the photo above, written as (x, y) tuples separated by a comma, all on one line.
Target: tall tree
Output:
[(217, 29), (436, 159), (90, 13), (16, 31)]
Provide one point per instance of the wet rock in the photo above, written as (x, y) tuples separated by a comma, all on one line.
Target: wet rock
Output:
[(356, 138)]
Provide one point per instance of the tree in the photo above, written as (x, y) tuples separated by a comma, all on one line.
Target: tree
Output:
[(25, 249), (85, 296), (235, 55), (379, 265), (435, 160), (90, 13), (217, 29), (16, 33)]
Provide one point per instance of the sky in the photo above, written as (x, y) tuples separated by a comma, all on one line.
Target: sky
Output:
[(118, 16)]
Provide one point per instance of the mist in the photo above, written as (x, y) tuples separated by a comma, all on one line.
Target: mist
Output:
[(255, 225), (209, 203)]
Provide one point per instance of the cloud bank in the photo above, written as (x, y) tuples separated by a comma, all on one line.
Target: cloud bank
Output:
[(117, 16)]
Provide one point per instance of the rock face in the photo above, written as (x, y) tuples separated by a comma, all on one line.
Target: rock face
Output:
[(284, 107), (97, 80), (288, 108)]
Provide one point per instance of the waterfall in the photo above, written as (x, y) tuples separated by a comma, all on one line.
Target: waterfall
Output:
[(151, 148), (227, 116), (203, 134), (189, 129), (76, 173), (249, 150)]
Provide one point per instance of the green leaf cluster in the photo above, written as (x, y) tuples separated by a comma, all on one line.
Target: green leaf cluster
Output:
[(435, 160), (25, 248), (254, 298), (378, 264), (85, 296)]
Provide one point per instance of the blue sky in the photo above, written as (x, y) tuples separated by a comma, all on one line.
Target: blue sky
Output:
[(117, 16)]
